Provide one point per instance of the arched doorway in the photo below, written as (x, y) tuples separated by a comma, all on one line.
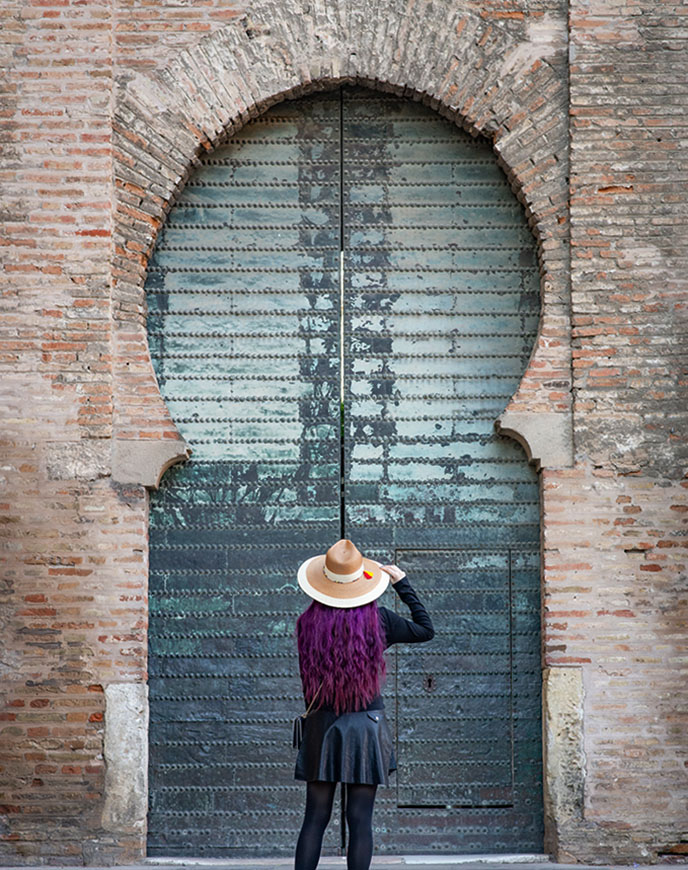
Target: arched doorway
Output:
[(341, 302)]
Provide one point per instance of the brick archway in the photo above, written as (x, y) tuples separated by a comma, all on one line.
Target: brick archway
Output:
[(468, 70), (472, 72)]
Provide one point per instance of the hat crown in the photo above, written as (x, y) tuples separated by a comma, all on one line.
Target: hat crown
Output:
[(342, 577), (344, 558)]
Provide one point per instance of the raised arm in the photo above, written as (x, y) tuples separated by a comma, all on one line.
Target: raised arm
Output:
[(398, 629)]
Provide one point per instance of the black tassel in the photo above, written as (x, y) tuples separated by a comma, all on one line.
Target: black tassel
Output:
[(297, 735)]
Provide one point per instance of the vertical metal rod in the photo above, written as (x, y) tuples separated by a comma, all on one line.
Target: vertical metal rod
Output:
[(342, 819), (342, 457), (511, 668), (341, 327)]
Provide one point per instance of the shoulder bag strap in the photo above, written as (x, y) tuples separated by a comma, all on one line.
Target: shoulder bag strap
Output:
[(313, 699)]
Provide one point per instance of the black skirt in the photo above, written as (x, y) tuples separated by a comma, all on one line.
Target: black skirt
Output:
[(351, 747)]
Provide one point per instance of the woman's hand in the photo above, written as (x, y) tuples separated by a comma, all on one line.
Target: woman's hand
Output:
[(394, 571)]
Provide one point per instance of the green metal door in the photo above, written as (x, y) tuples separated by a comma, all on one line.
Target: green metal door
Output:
[(243, 320), (340, 304), (442, 305)]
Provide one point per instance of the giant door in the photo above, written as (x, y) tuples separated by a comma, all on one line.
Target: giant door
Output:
[(340, 304)]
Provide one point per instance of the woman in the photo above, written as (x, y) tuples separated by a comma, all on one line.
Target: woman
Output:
[(341, 638)]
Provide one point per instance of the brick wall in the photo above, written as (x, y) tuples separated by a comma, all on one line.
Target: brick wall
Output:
[(55, 358), (73, 553), (616, 524), (629, 253)]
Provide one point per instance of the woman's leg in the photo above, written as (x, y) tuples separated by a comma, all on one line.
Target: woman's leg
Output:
[(360, 800), (319, 798)]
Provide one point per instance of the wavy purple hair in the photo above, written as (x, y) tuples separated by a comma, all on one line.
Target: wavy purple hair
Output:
[(342, 647)]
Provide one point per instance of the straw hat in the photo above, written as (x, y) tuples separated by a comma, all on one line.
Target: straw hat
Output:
[(342, 577)]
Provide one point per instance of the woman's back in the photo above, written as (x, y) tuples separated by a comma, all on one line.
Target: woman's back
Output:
[(341, 649), (341, 655), (346, 738)]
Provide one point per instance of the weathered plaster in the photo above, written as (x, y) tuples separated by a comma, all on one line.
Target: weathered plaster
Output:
[(87, 459), (546, 38)]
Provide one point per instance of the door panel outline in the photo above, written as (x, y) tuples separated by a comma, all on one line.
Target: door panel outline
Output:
[(341, 467)]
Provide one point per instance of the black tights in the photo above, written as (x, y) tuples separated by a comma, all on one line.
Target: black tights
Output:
[(360, 800)]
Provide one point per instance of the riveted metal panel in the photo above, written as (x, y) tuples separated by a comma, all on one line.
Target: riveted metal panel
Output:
[(441, 311), (440, 308), (243, 327)]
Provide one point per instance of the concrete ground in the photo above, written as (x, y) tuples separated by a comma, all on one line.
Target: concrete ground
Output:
[(420, 862)]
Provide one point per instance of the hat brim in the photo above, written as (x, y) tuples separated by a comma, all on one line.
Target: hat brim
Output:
[(312, 580)]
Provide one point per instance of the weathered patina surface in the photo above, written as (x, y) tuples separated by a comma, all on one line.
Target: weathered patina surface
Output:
[(442, 304), (244, 326), (434, 322)]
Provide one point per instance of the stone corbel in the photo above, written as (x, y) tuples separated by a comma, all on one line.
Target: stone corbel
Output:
[(145, 462), (546, 437)]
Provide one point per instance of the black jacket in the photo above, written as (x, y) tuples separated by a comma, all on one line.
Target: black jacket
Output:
[(400, 630)]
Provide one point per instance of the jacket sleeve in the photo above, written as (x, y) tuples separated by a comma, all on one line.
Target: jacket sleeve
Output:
[(400, 630)]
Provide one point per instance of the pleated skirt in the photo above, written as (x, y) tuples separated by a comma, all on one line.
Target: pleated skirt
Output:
[(351, 747)]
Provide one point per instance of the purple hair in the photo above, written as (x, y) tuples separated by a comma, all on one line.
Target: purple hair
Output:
[(342, 647)]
